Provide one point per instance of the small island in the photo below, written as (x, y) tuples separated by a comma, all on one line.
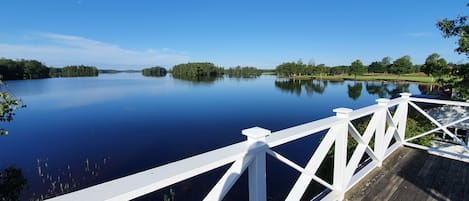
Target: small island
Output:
[(156, 71)]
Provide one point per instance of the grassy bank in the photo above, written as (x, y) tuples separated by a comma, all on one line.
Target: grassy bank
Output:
[(416, 77)]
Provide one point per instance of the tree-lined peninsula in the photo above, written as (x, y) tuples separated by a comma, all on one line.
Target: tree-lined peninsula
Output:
[(32, 69)]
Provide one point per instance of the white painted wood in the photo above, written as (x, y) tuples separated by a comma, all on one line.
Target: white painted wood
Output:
[(312, 166), (442, 102), (251, 154), (141, 183), (402, 118), (300, 131), (361, 174), (340, 152), (257, 169), (299, 169), (455, 138), (380, 146), (224, 185)]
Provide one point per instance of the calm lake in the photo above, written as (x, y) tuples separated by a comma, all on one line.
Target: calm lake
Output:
[(77, 132)]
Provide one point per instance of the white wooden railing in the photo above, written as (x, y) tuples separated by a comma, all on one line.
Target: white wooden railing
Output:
[(388, 122)]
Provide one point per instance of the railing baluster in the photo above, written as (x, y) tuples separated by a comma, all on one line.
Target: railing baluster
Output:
[(257, 169), (402, 119), (380, 146), (340, 152)]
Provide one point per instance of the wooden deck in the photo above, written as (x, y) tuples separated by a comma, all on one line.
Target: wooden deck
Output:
[(411, 174)]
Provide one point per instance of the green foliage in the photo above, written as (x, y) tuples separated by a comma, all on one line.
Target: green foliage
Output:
[(376, 67), (243, 72), (8, 105), (380, 66), (415, 127), (357, 68), (299, 68), (339, 70), (456, 28), (79, 71), (22, 69), (196, 71), (32, 69), (291, 68), (156, 71), (402, 65), (460, 29), (435, 66), (12, 182)]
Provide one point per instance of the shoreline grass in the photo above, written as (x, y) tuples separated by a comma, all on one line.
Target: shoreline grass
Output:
[(415, 77)]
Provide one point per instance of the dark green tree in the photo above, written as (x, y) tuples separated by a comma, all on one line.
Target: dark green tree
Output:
[(357, 68), (243, 72), (156, 71), (459, 29), (435, 66), (402, 65), (12, 182), (200, 71), (386, 62), (456, 28), (339, 70), (376, 67), (291, 68)]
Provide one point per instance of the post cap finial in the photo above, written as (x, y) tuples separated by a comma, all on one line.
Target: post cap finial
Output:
[(405, 95), (342, 111), (256, 133), (382, 101)]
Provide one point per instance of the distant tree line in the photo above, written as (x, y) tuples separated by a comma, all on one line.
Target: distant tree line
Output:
[(32, 69), (156, 71), (243, 72), (401, 65), (74, 71)]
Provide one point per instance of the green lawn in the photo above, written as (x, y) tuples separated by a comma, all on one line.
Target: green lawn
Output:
[(422, 78)]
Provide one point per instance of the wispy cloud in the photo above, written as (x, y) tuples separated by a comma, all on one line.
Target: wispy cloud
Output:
[(420, 34), (60, 50)]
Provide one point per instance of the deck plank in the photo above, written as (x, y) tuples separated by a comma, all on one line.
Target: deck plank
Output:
[(411, 174)]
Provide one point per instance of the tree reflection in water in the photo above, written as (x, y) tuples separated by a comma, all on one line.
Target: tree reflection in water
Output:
[(386, 89), (355, 91), (296, 86), (12, 183)]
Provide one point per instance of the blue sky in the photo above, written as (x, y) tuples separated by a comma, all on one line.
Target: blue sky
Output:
[(136, 34)]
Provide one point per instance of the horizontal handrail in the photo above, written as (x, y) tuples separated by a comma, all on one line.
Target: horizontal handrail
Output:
[(142, 183)]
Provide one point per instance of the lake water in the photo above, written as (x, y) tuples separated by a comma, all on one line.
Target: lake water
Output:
[(77, 132)]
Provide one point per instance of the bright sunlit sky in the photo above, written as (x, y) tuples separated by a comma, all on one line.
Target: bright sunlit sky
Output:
[(144, 33)]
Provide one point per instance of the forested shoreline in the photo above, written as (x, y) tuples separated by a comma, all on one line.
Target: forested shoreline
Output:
[(156, 71), (32, 69)]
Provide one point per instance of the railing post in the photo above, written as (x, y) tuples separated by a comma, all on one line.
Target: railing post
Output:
[(380, 147), (340, 152), (257, 169), (403, 119)]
